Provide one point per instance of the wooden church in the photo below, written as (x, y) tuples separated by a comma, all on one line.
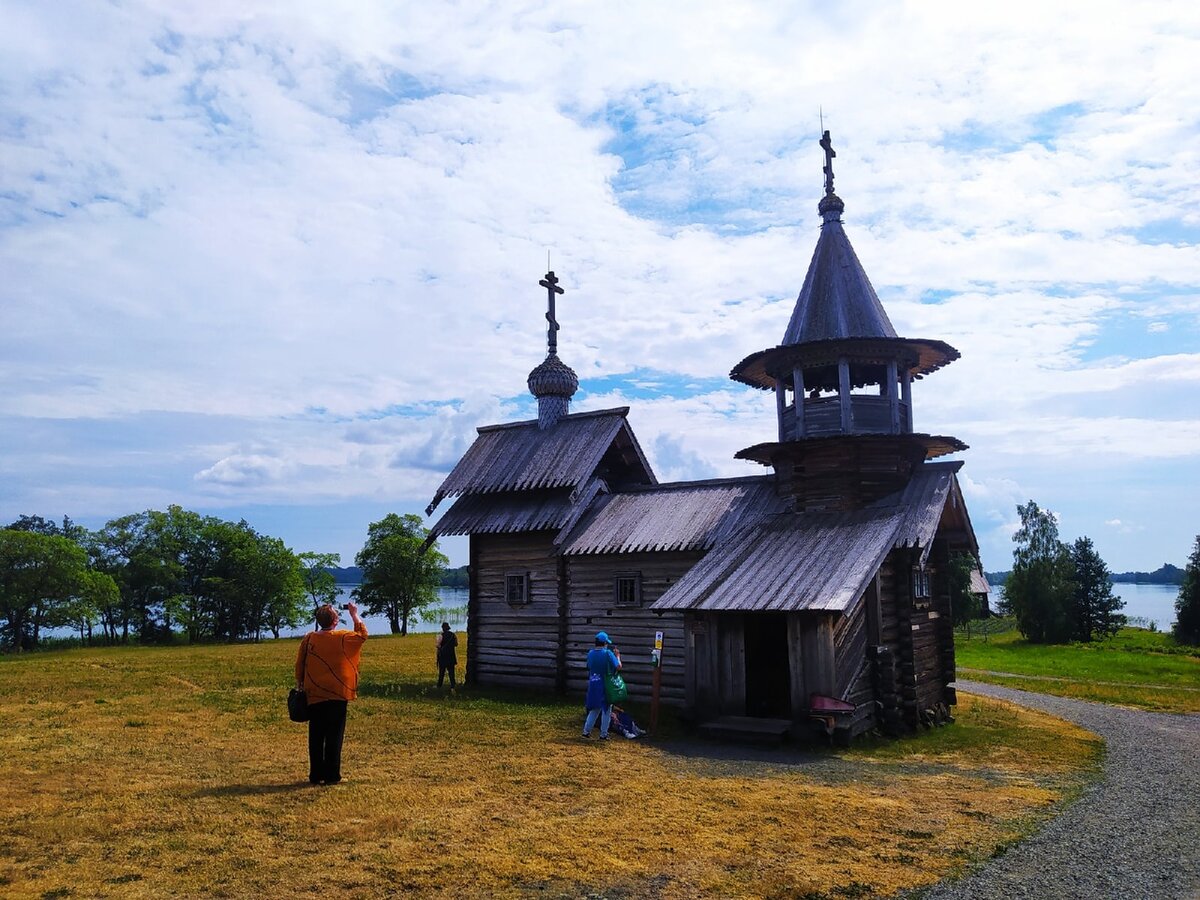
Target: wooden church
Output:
[(814, 593)]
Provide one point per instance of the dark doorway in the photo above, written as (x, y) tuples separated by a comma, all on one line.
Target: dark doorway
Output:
[(768, 675)]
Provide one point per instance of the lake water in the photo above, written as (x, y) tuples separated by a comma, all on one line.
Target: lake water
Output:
[(1153, 602), (451, 601)]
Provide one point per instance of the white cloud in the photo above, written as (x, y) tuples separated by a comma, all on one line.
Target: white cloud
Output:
[(327, 224)]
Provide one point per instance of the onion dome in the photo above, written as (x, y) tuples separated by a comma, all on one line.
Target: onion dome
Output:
[(553, 378)]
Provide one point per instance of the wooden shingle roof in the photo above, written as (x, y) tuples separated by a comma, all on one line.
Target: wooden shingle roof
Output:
[(510, 512), (692, 515), (837, 300), (813, 560), (519, 456)]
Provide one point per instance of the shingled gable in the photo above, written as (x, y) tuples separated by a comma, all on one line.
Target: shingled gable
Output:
[(519, 456), (814, 560), (514, 512)]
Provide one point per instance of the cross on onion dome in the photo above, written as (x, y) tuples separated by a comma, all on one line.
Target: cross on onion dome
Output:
[(550, 283), (830, 153)]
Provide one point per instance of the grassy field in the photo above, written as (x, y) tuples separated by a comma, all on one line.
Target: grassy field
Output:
[(147, 772), (1135, 668)]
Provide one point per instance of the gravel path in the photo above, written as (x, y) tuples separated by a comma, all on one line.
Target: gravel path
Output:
[(1135, 833)]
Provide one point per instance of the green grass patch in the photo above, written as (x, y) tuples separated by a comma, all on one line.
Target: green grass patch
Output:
[(1134, 668), (189, 780)]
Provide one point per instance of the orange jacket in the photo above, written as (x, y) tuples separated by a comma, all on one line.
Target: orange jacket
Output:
[(327, 663)]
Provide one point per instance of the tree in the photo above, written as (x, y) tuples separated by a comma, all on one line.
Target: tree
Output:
[(1094, 610), (278, 586), (400, 576), (145, 553), (319, 582), (963, 603), (38, 525), (253, 582), (95, 593), (39, 575), (1040, 591), (1187, 604)]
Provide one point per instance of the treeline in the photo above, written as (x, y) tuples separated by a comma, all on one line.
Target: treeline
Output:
[(451, 578), (1164, 574), (152, 575)]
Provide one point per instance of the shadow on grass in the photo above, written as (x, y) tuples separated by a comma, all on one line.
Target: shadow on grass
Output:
[(253, 790), (675, 736), (429, 692)]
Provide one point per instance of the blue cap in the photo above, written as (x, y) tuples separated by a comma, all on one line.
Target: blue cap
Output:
[(601, 637)]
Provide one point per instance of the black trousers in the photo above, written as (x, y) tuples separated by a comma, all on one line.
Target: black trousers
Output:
[(442, 670), (326, 728)]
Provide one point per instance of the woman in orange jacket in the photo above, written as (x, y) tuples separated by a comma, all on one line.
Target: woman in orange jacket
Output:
[(327, 671)]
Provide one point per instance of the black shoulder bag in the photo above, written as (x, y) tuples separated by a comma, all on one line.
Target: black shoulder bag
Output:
[(298, 700), (297, 705)]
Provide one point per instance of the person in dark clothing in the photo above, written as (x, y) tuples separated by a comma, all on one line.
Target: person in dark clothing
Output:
[(447, 659)]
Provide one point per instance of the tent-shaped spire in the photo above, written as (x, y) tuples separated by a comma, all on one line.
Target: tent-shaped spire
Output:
[(837, 300), (838, 314)]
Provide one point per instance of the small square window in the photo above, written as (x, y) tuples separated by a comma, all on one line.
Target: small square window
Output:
[(627, 589), (516, 588)]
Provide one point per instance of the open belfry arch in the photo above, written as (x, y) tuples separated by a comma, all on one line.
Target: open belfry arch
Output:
[(812, 594)]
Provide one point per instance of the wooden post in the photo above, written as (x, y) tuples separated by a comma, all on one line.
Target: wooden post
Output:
[(906, 396), (893, 396), (656, 680), (844, 393), (798, 393), (780, 407)]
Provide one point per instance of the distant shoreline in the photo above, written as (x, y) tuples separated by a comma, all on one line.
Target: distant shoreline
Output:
[(1165, 574)]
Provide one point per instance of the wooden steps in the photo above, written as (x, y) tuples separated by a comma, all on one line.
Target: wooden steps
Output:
[(747, 729)]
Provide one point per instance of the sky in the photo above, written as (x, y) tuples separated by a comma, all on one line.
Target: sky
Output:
[(278, 261)]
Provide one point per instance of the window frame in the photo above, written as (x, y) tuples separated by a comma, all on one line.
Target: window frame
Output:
[(525, 597), (627, 577), (921, 586)]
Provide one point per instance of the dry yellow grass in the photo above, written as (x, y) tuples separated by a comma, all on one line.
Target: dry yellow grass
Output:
[(144, 772)]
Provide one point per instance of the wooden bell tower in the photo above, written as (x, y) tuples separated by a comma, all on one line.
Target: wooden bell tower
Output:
[(842, 379)]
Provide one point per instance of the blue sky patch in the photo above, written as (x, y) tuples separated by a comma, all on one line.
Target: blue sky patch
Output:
[(368, 100), (651, 384)]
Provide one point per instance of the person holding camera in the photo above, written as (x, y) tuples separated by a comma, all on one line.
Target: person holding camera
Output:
[(602, 660), (327, 671)]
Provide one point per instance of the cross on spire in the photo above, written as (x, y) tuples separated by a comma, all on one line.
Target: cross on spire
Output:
[(827, 145), (550, 283)]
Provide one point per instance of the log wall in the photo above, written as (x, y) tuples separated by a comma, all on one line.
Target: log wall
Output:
[(914, 675), (514, 645), (843, 474), (591, 607), (544, 643)]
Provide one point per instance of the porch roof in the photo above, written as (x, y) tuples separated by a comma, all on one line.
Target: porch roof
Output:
[(813, 560)]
